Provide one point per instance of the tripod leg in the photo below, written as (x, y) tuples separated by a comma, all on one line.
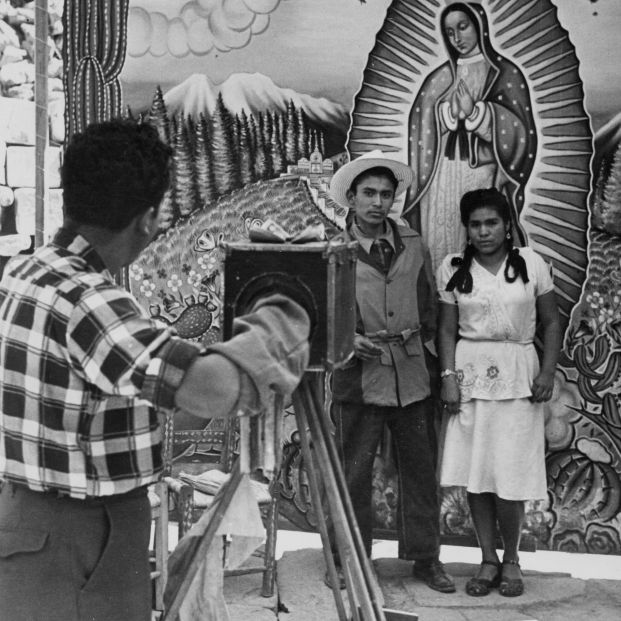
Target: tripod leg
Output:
[(313, 480), (324, 429), (364, 594)]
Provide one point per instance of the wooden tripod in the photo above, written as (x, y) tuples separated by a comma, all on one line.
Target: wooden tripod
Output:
[(325, 476)]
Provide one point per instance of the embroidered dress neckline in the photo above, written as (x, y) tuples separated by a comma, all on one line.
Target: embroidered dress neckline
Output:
[(489, 271)]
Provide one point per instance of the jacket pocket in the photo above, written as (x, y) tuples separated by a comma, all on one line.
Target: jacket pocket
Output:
[(21, 541), (413, 346), (386, 356)]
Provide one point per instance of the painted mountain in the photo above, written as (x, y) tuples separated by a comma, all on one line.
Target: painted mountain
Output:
[(255, 92)]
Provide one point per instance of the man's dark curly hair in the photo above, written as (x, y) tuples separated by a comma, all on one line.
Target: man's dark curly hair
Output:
[(114, 171)]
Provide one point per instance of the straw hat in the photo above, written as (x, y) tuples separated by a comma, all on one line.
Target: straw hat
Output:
[(343, 177)]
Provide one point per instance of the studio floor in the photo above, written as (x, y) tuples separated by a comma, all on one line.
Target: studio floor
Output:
[(558, 587)]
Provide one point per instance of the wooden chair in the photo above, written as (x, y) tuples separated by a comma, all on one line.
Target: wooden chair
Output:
[(193, 448), (158, 497)]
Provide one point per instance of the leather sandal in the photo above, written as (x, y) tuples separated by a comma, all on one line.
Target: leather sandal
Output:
[(511, 587), (478, 587)]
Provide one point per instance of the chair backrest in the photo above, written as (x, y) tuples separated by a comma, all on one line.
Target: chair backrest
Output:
[(194, 444)]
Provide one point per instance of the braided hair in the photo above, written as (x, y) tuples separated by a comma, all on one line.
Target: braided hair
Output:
[(515, 266)]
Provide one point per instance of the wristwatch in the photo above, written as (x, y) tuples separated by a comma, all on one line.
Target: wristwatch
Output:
[(447, 372)]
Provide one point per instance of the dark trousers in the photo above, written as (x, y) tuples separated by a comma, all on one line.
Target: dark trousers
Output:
[(359, 430), (71, 560)]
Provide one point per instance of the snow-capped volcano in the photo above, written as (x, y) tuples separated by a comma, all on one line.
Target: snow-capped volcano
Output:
[(194, 95), (253, 92)]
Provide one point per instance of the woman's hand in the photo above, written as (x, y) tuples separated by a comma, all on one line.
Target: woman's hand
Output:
[(464, 100), (542, 387), (365, 348), (449, 394)]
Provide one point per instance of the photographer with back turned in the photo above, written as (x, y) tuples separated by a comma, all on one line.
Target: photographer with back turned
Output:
[(387, 383), (82, 369)]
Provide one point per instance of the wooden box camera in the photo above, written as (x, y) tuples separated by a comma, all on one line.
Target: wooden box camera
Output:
[(320, 276)]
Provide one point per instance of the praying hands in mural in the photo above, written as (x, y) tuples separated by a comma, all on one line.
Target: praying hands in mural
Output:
[(462, 103)]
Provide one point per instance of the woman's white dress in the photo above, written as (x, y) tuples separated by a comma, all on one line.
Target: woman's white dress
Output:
[(496, 442)]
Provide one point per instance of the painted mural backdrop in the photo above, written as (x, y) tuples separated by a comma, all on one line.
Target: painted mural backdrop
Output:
[(262, 100)]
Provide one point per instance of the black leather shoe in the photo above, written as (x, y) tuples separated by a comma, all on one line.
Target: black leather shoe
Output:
[(340, 576), (433, 574)]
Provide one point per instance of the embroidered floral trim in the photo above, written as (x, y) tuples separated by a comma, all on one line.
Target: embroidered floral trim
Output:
[(483, 377)]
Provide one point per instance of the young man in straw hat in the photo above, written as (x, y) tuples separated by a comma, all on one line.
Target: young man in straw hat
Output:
[(387, 383)]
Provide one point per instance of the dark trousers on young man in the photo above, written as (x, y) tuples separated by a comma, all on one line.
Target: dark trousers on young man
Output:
[(359, 430), (63, 559)]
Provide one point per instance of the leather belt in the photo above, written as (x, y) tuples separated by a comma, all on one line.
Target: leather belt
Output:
[(384, 336)]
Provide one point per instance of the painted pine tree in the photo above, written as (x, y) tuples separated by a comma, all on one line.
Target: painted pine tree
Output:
[(173, 126), (246, 156), (260, 157), (224, 157), (266, 127), (252, 133), (185, 191), (236, 129), (291, 130), (158, 116), (279, 124), (190, 127), (312, 140), (168, 213), (278, 159), (203, 165), (303, 150)]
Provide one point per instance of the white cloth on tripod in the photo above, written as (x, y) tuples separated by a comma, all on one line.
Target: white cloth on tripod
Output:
[(242, 522)]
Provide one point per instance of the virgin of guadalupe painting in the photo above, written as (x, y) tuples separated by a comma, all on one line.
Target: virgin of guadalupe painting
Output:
[(471, 126)]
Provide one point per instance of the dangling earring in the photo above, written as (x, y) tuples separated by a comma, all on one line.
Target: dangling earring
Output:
[(508, 235), (469, 242)]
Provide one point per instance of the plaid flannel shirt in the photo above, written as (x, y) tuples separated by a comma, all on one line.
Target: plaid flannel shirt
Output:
[(81, 365)]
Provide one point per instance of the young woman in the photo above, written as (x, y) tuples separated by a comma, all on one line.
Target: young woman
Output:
[(493, 385)]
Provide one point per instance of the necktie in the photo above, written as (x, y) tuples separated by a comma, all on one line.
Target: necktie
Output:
[(383, 252)]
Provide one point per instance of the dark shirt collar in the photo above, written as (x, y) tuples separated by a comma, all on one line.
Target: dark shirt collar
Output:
[(366, 242)]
